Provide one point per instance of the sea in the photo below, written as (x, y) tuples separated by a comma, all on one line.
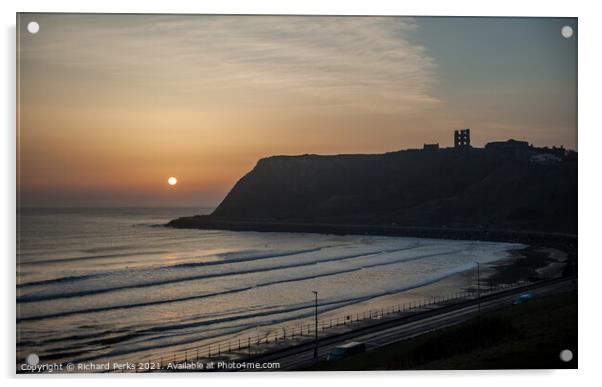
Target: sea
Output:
[(115, 284)]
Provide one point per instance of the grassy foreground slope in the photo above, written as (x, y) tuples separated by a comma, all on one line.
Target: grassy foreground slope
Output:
[(530, 335)]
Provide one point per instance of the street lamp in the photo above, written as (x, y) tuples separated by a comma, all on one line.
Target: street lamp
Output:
[(479, 284), (316, 328)]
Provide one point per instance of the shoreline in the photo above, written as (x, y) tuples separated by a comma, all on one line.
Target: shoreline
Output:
[(564, 242), (520, 265), (207, 222), (542, 252), (523, 264)]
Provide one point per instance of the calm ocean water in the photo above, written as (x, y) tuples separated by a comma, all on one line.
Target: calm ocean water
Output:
[(112, 284)]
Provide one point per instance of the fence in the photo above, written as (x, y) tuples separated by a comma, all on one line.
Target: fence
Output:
[(246, 347)]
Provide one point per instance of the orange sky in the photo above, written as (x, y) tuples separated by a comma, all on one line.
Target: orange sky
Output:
[(111, 106)]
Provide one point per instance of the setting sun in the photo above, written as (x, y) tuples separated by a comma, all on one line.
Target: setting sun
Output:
[(172, 181)]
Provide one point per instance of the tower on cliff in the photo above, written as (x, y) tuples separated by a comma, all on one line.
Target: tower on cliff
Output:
[(462, 138)]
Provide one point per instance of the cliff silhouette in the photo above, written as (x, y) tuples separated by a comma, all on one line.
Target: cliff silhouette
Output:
[(477, 188)]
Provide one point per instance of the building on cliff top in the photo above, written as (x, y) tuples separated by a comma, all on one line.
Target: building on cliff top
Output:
[(462, 138), (431, 147)]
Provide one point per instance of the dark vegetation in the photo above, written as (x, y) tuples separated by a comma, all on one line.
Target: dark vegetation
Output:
[(530, 335)]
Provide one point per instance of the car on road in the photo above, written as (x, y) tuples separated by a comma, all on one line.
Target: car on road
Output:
[(523, 298), (345, 350)]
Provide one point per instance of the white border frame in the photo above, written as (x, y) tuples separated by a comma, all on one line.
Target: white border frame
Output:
[(590, 140)]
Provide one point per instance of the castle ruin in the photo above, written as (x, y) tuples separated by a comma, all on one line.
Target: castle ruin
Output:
[(462, 138)]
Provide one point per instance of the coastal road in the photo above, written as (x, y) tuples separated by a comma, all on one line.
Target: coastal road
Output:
[(391, 331)]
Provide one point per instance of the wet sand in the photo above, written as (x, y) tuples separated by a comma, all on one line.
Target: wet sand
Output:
[(523, 265), (530, 264)]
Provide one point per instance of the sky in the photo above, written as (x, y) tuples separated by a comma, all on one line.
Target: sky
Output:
[(110, 106)]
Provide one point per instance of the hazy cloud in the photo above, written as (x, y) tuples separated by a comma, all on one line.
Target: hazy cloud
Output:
[(364, 63)]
